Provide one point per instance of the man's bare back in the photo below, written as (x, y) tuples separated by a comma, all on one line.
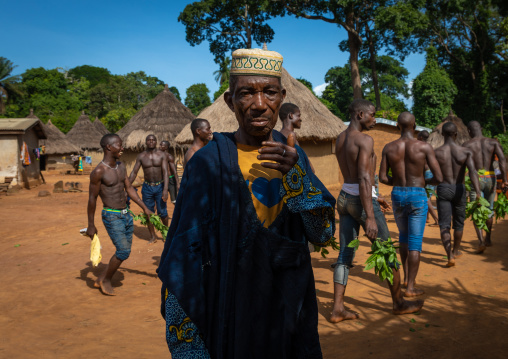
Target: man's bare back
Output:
[(407, 158), (484, 149), (453, 161)]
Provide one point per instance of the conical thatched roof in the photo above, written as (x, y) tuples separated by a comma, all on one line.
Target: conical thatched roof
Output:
[(436, 139), (84, 134), (56, 142), (100, 127), (165, 116), (319, 124)]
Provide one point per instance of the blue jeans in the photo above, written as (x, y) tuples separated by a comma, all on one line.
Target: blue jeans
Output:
[(120, 228), (152, 196), (410, 210), (352, 216)]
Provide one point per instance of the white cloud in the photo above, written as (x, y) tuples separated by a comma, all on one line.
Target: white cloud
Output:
[(318, 90)]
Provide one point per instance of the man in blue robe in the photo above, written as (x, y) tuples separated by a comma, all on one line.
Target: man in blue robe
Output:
[(236, 268)]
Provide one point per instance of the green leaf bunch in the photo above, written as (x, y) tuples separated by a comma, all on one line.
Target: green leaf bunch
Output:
[(430, 192), (332, 243), (479, 212), (155, 220), (381, 255), (501, 206)]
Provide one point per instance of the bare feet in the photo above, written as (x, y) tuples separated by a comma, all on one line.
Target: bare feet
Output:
[(458, 255), (105, 286), (337, 317), (488, 243), (413, 293), (153, 240), (451, 263), (407, 307), (480, 249)]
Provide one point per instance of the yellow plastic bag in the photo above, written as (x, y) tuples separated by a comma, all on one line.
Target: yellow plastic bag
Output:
[(95, 251)]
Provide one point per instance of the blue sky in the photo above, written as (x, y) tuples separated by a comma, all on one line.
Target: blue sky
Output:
[(128, 36)]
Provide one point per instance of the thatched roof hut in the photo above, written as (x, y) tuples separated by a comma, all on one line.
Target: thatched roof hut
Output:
[(84, 134), (100, 126), (165, 116), (57, 143), (436, 139), (319, 124)]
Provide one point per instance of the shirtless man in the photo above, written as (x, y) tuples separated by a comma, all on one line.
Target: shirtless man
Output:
[(155, 188), (484, 150), (357, 207), (424, 136), (109, 181), (173, 184), (202, 133), (291, 118), (407, 158), (451, 193)]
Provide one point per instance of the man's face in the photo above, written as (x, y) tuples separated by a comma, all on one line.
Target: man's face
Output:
[(368, 118), (151, 142), (163, 146), (116, 147), (205, 132), (256, 101), (296, 119)]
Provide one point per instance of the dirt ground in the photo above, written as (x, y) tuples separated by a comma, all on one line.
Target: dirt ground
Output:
[(50, 309)]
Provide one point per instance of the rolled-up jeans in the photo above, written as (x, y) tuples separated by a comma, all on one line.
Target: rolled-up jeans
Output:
[(352, 216), (410, 211)]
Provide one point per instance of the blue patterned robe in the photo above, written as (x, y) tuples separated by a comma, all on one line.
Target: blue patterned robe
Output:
[(232, 288)]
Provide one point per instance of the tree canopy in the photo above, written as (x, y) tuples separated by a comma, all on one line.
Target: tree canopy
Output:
[(228, 25), (61, 95), (433, 92), (197, 98)]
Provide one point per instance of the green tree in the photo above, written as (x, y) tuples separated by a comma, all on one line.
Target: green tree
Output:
[(223, 88), (197, 98), (307, 84), (228, 25), (9, 84), (95, 75), (175, 92), (117, 118), (222, 74), (392, 84), (51, 95), (433, 92)]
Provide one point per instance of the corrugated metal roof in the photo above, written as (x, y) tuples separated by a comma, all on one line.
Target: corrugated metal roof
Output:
[(394, 124), (21, 125)]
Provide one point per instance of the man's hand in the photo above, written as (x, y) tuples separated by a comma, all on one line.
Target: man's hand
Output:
[(90, 231), (165, 196), (385, 206), (147, 212), (371, 228), (478, 194), (284, 156)]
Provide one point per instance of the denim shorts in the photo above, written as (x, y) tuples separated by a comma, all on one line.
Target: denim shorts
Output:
[(352, 216), (488, 186), (451, 203), (410, 211), (152, 196), (120, 228)]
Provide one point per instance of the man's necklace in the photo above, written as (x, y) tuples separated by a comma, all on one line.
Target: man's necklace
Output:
[(105, 164)]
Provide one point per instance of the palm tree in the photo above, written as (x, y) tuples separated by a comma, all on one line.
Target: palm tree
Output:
[(8, 83), (222, 74)]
